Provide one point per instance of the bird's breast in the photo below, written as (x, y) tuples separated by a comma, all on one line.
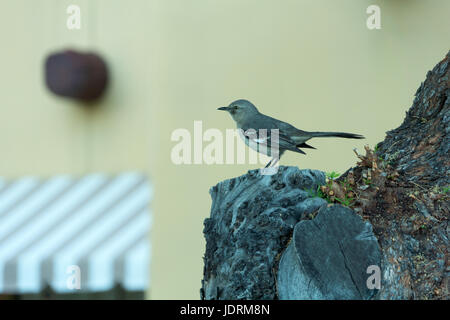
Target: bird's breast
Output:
[(259, 144)]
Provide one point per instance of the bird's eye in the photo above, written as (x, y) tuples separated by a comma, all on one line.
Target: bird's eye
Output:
[(235, 107)]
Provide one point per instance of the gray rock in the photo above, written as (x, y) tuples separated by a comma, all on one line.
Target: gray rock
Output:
[(251, 222), (328, 257)]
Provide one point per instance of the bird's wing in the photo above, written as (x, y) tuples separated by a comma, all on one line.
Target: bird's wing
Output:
[(296, 135), (287, 143), (267, 138), (289, 136)]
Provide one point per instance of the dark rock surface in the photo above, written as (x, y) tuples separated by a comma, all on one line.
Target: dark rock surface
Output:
[(328, 258), (420, 147), (407, 201), (252, 218)]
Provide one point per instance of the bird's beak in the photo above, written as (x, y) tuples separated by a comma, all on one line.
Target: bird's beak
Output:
[(223, 108)]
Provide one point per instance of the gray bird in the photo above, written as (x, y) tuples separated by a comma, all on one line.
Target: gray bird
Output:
[(251, 121)]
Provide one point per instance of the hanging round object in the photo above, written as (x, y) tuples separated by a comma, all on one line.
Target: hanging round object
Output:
[(81, 76)]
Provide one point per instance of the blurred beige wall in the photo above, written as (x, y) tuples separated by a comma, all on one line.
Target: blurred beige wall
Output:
[(313, 63)]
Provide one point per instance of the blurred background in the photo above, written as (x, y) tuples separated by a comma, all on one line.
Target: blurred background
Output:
[(170, 63)]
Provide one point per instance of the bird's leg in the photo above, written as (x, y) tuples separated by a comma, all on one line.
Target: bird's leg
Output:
[(272, 162), (268, 165), (275, 161)]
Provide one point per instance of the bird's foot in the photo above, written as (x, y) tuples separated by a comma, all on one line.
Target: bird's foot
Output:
[(268, 171)]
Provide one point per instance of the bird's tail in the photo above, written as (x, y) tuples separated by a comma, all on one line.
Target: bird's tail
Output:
[(336, 134)]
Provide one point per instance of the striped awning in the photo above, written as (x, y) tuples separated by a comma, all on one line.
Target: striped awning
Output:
[(97, 224)]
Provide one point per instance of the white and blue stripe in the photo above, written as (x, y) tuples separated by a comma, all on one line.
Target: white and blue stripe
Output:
[(97, 222)]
